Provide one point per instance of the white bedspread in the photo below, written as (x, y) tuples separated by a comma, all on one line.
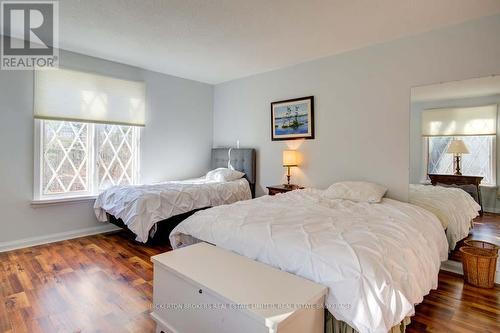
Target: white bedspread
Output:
[(141, 206), (377, 260), (454, 207)]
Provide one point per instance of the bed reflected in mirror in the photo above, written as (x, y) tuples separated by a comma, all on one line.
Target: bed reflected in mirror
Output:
[(453, 156)]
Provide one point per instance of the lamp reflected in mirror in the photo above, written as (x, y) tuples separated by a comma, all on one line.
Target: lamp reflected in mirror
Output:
[(457, 148)]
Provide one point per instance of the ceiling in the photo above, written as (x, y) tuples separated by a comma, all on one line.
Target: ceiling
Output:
[(477, 87), (219, 40)]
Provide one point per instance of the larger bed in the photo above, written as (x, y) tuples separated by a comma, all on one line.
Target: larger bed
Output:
[(145, 209), (377, 259)]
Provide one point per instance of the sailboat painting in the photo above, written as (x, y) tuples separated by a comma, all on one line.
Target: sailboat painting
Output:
[(293, 119)]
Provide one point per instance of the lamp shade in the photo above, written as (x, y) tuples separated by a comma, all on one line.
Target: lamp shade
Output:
[(457, 147), (289, 158)]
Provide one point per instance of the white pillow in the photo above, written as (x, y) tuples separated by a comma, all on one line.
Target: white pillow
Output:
[(356, 191), (224, 175)]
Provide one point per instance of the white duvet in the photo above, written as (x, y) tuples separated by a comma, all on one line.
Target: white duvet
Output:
[(454, 207), (378, 260), (141, 207)]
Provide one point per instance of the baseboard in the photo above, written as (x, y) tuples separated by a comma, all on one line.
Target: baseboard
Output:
[(492, 210), (456, 267), (39, 240), (452, 266)]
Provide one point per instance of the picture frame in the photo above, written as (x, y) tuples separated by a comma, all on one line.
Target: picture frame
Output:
[(292, 119)]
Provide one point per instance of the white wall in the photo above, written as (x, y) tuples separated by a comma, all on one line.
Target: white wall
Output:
[(362, 105), (175, 144), (417, 165)]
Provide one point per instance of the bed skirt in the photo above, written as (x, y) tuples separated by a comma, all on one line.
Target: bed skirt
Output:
[(333, 325)]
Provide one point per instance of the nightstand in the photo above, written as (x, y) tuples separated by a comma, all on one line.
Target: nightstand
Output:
[(275, 189)]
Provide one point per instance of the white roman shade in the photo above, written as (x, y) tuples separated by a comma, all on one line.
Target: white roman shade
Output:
[(65, 94), (481, 120)]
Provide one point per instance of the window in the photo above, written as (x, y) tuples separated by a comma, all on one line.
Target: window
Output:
[(117, 160), (79, 159), (480, 161), (65, 155), (86, 132)]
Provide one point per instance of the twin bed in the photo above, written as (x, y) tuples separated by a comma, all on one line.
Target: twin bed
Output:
[(454, 207), (152, 211), (377, 257)]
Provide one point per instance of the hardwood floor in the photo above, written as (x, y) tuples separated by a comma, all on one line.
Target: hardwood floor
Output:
[(486, 228), (456, 307), (99, 283), (103, 283)]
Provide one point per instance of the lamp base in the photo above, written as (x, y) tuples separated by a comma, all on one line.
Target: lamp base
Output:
[(457, 165), (287, 177)]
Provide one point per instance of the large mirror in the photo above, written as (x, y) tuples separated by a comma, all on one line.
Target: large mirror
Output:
[(453, 156)]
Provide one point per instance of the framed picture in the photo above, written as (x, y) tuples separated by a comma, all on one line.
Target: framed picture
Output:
[(292, 119)]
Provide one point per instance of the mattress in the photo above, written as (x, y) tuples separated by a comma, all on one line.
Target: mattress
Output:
[(141, 207), (454, 207), (378, 260)]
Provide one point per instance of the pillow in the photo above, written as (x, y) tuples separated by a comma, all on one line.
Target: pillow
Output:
[(224, 175), (355, 191)]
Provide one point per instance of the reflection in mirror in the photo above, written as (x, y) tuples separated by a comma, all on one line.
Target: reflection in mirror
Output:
[(453, 154)]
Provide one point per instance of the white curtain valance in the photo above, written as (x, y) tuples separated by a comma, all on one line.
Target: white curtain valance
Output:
[(481, 120), (63, 94)]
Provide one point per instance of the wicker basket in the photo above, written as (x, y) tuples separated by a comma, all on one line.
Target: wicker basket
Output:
[(481, 244), (479, 266)]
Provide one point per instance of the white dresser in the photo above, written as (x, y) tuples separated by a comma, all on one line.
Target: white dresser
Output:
[(206, 289)]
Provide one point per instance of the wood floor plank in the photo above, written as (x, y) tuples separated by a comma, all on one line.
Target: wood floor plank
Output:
[(5, 325), (104, 283)]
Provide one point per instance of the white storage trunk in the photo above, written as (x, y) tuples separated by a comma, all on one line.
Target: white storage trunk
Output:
[(206, 289)]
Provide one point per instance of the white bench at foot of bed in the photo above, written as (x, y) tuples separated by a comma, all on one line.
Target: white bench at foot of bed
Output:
[(203, 288)]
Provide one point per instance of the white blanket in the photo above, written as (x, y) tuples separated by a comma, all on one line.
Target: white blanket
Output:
[(141, 206), (454, 207), (378, 260)]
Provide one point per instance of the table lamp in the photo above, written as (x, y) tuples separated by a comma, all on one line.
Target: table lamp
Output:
[(289, 160), (457, 148)]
